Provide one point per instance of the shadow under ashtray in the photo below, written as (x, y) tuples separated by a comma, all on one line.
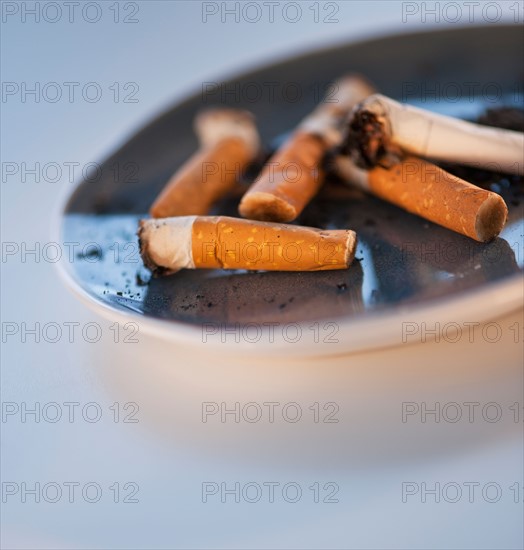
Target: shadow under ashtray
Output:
[(345, 413)]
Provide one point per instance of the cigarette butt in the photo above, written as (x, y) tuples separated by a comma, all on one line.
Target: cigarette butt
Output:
[(229, 143), (289, 181), (219, 242), (205, 178), (427, 190), (292, 177), (379, 128)]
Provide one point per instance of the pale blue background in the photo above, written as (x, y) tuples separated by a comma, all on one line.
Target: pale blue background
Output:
[(168, 53)]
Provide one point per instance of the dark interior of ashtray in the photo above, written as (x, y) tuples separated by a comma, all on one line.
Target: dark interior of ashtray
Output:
[(401, 259)]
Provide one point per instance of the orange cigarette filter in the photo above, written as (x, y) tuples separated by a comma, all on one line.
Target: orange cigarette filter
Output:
[(220, 242), (427, 190), (288, 182), (292, 177), (229, 143)]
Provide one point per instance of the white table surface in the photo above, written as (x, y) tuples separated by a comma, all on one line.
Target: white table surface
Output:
[(168, 52)]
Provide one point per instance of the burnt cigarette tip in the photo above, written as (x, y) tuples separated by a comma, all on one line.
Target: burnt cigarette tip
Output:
[(365, 140), (143, 246)]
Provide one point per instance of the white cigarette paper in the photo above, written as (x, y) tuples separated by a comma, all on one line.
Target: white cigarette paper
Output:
[(169, 242), (220, 242), (380, 126)]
